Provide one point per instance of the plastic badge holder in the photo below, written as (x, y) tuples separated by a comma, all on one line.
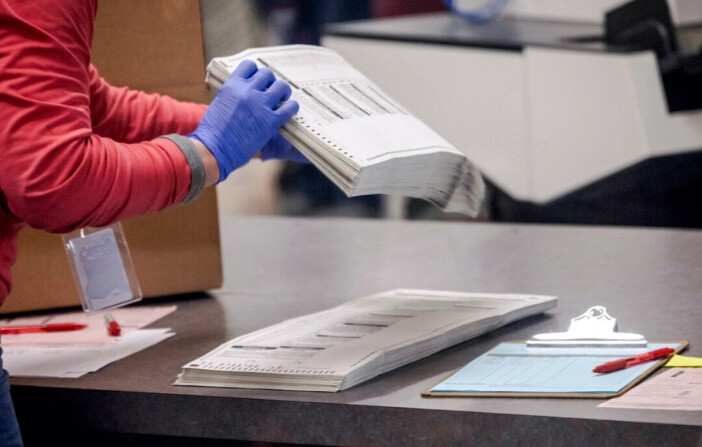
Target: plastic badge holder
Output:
[(102, 267)]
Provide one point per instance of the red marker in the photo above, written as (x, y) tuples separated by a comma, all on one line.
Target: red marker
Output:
[(112, 325), (52, 327), (616, 365)]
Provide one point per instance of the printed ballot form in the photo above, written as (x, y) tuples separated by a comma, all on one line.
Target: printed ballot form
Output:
[(340, 347), (357, 135)]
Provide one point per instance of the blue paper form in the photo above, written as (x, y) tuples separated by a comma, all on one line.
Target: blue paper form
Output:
[(514, 368)]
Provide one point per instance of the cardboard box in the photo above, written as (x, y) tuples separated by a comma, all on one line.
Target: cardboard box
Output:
[(154, 46)]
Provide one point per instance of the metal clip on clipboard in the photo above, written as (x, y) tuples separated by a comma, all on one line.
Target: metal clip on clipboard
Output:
[(593, 329)]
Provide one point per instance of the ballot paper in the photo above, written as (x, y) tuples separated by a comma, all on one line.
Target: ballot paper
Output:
[(343, 346), (357, 135), (72, 354), (673, 389)]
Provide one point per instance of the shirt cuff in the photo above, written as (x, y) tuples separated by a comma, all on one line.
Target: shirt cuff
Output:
[(197, 166)]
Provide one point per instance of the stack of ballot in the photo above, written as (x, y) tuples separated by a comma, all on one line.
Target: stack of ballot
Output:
[(346, 345), (358, 136)]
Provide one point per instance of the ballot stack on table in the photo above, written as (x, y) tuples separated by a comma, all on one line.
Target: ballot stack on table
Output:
[(346, 345)]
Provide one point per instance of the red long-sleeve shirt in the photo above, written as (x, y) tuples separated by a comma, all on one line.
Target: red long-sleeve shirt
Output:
[(75, 151)]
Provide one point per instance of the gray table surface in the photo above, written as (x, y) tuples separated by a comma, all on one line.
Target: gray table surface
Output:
[(276, 268)]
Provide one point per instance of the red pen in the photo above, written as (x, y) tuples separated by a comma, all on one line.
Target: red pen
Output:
[(52, 327), (112, 325), (616, 365)]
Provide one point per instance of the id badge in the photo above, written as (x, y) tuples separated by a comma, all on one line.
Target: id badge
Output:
[(102, 267)]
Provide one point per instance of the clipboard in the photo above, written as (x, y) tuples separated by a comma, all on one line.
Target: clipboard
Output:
[(557, 365), (630, 377)]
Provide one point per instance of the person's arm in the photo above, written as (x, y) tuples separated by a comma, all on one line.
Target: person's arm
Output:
[(131, 116), (55, 172)]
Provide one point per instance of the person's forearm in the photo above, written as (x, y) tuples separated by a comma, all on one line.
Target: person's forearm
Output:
[(58, 173), (132, 116)]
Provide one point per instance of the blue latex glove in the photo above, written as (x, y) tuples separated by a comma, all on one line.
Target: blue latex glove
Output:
[(278, 147), (245, 115)]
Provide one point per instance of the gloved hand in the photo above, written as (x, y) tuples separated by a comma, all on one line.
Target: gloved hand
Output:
[(246, 113), (278, 147)]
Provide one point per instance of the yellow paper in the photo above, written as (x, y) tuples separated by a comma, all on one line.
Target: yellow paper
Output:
[(681, 361)]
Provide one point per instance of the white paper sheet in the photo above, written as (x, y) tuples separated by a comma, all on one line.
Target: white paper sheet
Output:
[(72, 354), (95, 334), (73, 362)]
